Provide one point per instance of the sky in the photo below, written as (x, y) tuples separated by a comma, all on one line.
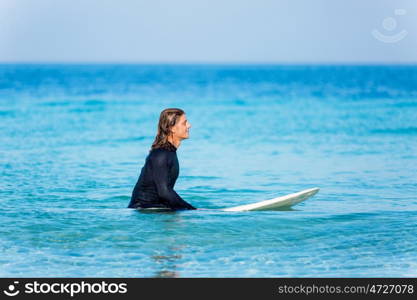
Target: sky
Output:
[(212, 31)]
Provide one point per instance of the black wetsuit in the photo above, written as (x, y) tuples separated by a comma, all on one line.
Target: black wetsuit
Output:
[(155, 186)]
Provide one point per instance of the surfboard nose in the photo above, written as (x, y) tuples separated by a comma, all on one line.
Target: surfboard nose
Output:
[(313, 191)]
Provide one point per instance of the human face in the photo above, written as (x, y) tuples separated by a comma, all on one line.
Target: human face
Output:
[(181, 129)]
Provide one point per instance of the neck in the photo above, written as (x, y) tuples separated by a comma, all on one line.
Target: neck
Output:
[(174, 141)]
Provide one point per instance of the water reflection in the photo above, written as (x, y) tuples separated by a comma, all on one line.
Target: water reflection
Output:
[(168, 253), (167, 264)]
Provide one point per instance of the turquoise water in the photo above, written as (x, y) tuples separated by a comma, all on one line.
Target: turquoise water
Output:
[(74, 137)]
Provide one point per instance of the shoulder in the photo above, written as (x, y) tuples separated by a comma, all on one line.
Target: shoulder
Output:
[(161, 156)]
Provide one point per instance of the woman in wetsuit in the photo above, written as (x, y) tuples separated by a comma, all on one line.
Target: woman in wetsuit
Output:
[(155, 186)]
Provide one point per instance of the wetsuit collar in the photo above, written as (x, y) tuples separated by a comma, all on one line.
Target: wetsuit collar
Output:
[(172, 147)]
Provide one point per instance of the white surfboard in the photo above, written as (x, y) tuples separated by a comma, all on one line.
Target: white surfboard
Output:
[(277, 203)]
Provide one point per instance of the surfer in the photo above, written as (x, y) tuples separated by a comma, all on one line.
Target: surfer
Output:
[(155, 185)]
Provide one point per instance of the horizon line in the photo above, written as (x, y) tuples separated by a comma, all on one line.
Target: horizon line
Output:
[(208, 63)]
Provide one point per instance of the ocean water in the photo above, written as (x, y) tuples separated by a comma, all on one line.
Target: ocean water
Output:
[(74, 138)]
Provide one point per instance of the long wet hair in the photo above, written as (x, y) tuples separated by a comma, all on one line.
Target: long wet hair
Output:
[(167, 119)]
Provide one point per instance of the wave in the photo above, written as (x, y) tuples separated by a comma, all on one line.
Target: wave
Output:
[(405, 130)]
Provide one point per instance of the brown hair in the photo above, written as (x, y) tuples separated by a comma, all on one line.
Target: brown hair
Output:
[(167, 119)]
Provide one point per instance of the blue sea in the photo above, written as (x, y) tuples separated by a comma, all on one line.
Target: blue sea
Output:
[(74, 138)]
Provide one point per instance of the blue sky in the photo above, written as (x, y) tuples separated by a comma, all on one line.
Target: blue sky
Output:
[(215, 31)]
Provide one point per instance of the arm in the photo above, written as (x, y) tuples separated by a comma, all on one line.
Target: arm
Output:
[(161, 167)]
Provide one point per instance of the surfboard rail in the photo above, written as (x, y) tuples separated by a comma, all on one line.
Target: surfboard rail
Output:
[(277, 203)]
